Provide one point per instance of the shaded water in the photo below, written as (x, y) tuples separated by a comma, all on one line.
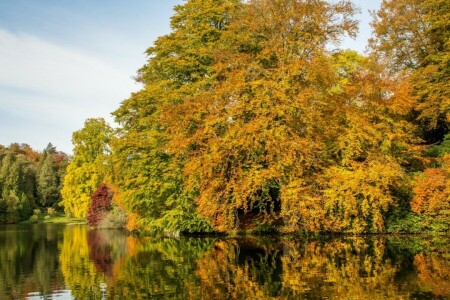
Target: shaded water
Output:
[(73, 262)]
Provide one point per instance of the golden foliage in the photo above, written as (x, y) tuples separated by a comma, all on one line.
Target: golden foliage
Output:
[(245, 110), (356, 198)]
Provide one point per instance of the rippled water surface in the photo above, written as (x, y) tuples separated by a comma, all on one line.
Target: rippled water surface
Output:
[(73, 262)]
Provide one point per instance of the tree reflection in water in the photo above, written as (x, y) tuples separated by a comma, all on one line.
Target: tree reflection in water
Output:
[(116, 266)]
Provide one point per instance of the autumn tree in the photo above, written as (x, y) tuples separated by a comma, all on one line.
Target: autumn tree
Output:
[(432, 194), (411, 36), (88, 168), (283, 112), (243, 134), (247, 108)]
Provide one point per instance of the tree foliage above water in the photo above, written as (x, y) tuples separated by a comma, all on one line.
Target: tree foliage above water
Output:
[(241, 108), (250, 108)]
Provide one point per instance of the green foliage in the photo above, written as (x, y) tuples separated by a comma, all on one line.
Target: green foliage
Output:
[(263, 228), (14, 177), (405, 222), (439, 150), (28, 178)]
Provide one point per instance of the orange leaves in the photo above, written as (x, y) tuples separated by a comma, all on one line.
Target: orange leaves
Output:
[(133, 222), (433, 272), (432, 192)]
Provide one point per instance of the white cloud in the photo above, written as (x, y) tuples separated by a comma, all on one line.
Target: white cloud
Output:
[(47, 83)]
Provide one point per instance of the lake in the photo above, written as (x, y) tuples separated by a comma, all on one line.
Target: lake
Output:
[(49, 261)]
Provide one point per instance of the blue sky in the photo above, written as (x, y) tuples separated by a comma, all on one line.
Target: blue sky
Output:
[(63, 61)]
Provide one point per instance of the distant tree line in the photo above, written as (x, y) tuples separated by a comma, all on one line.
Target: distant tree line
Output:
[(29, 180)]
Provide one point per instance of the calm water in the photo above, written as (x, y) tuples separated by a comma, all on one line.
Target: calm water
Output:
[(73, 262)]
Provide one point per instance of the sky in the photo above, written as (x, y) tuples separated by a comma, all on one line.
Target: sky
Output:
[(64, 61)]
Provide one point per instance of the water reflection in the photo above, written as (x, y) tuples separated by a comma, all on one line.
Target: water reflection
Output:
[(27, 260), (36, 261)]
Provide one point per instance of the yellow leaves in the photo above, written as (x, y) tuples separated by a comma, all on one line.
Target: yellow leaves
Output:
[(79, 183), (339, 264), (356, 198), (302, 207), (89, 166), (245, 108)]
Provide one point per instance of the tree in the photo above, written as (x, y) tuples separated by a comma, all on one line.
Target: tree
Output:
[(48, 182), (28, 178), (282, 113), (14, 203), (88, 168), (412, 36), (246, 110)]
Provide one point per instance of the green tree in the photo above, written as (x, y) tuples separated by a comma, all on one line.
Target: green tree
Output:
[(48, 182)]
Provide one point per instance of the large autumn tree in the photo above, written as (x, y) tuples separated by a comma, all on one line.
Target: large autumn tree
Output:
[(284, 115), (250, 107)]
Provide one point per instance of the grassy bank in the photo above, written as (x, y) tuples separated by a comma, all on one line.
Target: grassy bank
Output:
[(56, 218)]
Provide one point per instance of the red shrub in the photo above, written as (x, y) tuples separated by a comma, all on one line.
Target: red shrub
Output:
[(100, 205)]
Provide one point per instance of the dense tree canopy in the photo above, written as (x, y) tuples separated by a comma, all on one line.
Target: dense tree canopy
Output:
[(250, 110), (245, 109)]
